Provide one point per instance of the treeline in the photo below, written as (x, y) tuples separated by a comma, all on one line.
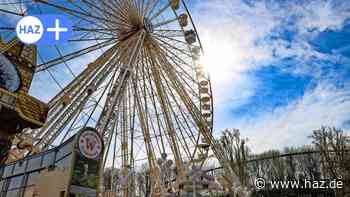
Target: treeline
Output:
[(327, 158)]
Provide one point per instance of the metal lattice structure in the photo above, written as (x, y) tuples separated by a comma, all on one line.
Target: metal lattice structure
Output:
[(145, 93)]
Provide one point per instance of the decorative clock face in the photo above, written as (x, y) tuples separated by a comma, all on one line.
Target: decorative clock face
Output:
[(9, 77), (90, 144)]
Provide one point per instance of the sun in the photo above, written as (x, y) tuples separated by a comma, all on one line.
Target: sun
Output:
[(220, 58)]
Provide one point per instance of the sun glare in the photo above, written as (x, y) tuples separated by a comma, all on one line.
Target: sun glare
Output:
[(219, 58)]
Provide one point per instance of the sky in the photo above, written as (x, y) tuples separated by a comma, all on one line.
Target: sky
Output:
[(279, 69)]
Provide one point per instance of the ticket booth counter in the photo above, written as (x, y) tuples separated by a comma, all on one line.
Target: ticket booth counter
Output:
[(69, 170)]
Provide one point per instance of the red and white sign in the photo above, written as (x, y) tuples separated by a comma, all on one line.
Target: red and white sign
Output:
[(90, 144)]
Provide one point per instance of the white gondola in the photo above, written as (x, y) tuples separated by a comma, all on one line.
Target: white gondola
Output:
[(190, 36), (183, 20), (206, 106), (203, 83)]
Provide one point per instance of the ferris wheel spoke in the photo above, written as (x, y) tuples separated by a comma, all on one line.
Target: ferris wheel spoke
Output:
[(14, 3), (144, 127), (104, 31), (120, 86), (13, 8), (195, 112), (185, 119), (149, 7), (147, 94), (88, 39), (108, 88), (65, 63), (157, 114), (84, 10), (67, 115), (71, 127), (11, 12), (171, 33), (7, 29), (176, 56), (107, 14), (77, 93), (160, 11), (183, 74), (175, 117), (166, 22), (147, 140), (108, 144), (75, 54), (116, 7), (171, 39), (80, 79), (167, 116), (154, 100), (178, 106), (171, 74), (167, 45), (74, 12)]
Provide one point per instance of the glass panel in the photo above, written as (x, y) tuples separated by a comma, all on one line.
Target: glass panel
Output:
[(19, 167), (13, 193), (15, 182), (34, 163), (1, 171), (1, 185), (64, 163), (63, 151), (8, 170), (32, 178), (49, 159)]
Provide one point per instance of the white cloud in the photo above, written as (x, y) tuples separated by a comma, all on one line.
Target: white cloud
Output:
[(236, 39), (290, 125), (321, 15), (228, 31)]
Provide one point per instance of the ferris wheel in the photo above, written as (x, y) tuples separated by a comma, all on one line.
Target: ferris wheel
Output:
[(145, 92)]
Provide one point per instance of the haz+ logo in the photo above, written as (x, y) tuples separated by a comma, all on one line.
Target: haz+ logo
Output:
[(44, 29), (29, 29)]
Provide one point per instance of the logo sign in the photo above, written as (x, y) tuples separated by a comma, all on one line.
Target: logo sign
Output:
[(90, 144), (44, 29), (29, 29)]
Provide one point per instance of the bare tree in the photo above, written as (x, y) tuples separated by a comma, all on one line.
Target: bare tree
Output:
[(236, 153), (334, 146), (309, 164)]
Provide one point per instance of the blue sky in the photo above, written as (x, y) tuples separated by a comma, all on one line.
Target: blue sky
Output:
[(279, 69)]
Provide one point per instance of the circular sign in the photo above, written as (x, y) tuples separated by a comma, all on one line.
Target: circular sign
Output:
[(29, 29), (90, 144)]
